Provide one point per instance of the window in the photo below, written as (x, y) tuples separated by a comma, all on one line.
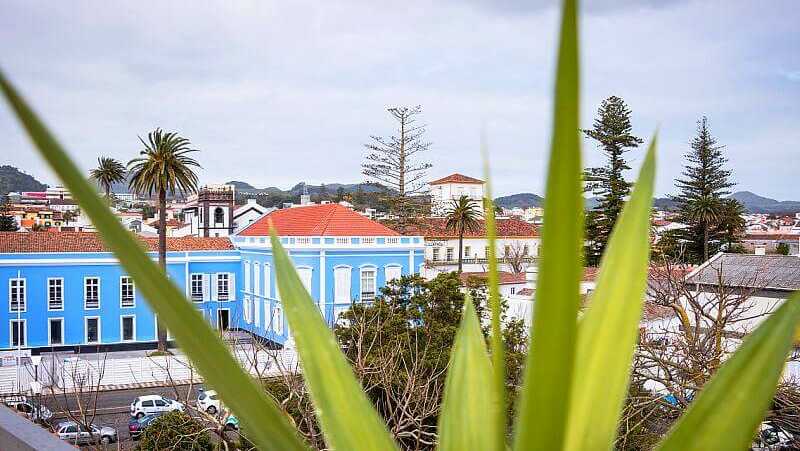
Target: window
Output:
[(56, 331), (449, 254), (393, 273), (160, 403), (256, 278), (305, 274), (92, 325), (55, 294), (341, 282), (126, 291), (247, 307), (91, 292), (18, 333), (223, 286), (367, 284), (219, 215), (247, 276), (507, 251), (436, 254), (267, 280), (277, 320), (467, 251), (16, 295), (196, 287), (513, 290), (525, 250), (128, 328)]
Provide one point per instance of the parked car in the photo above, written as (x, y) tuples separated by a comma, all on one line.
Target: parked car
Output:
[(77, 434), (137, 426), (772, 438), (231, 423), (209, 402), (24, 406), (146, 405)]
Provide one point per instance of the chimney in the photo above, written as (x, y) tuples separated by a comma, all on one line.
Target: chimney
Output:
[(531, 275), (760, 249), (251, 202)]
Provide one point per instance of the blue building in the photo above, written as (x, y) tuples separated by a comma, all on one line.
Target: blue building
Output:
[(66, 291), (341, 256)]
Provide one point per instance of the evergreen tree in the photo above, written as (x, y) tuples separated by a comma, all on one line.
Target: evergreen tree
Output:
[(7, 222), (612, 131), (712, 220)]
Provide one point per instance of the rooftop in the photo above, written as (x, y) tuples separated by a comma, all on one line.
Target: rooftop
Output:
[(19, 242), (506, 228), (457, 178), (504, 276), (317, 220), (775, 272)]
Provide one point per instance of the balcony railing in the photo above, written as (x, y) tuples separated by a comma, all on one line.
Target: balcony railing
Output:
[(477, 261)]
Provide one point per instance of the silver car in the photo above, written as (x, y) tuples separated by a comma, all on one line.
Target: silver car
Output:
[(77, 434)]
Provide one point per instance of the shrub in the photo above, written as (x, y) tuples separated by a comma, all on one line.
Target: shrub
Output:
[(175, 431)]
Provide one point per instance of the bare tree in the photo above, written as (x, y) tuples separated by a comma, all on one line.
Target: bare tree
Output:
[(393, 162), (517, 257)]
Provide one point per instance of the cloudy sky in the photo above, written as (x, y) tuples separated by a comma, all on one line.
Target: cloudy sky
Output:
[(274, 93)]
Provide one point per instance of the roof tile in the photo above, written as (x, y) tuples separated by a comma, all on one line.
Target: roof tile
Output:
[(457, 178), (317, 220), (19, 242)]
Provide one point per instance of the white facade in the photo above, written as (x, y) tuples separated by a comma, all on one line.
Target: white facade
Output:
[(441, 255), (444, 191), (248, 213)]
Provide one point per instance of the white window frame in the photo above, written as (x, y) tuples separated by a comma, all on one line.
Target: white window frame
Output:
[(449, 253), (227, 292), (277, 319), (50, 329), (349, 293), (467, 251), (50, 300), (257, 278), (192, 293), (22, 287), (247, 276), (122, 328), (121, 292), (374, 271), (86, 330), (85, 287), (302, 271), (267, 280), (386, 272), (435, 254), (24, 341)]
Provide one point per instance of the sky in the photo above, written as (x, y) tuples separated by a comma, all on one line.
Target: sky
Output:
[(274, 93)]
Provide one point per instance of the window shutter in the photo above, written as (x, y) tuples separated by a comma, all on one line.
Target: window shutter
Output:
[(214, 285), (393, 272), (267, 281), (342, 284), (206, 287), (232, 286)]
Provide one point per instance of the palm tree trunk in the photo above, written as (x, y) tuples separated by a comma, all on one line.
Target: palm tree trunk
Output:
[(162, 257), (460, 250)]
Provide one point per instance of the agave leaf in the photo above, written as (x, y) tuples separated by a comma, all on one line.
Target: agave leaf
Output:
[(545, 394), (468, 397), (348, 419), (493, 283), (608, 332), (266, 425), (729, 408)]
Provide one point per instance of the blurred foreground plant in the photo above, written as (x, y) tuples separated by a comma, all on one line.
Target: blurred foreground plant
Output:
[(577, 371)]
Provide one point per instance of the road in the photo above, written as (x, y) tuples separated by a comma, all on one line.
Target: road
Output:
[(113, 407)]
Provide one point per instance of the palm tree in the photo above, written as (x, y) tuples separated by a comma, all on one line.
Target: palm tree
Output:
[(163, 166), (462, 216), (705, 210), (108, 172)]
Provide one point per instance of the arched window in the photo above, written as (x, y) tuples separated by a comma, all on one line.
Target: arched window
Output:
[(219, 215)]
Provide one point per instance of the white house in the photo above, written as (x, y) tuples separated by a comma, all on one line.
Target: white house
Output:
[(447, 189), (517, 245), (246, 214), (209, 213)]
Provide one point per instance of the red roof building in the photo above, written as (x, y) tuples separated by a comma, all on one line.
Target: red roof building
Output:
[(435, 228), (457, 178), (16, 242), (317, 220)]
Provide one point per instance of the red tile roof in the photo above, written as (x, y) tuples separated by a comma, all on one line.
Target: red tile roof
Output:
[(170, 223), (506, 228), (317, 220), (504, 276), (17, 242), (457, 178)]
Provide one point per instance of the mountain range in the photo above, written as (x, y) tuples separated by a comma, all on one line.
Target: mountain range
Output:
[(13, 179)]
